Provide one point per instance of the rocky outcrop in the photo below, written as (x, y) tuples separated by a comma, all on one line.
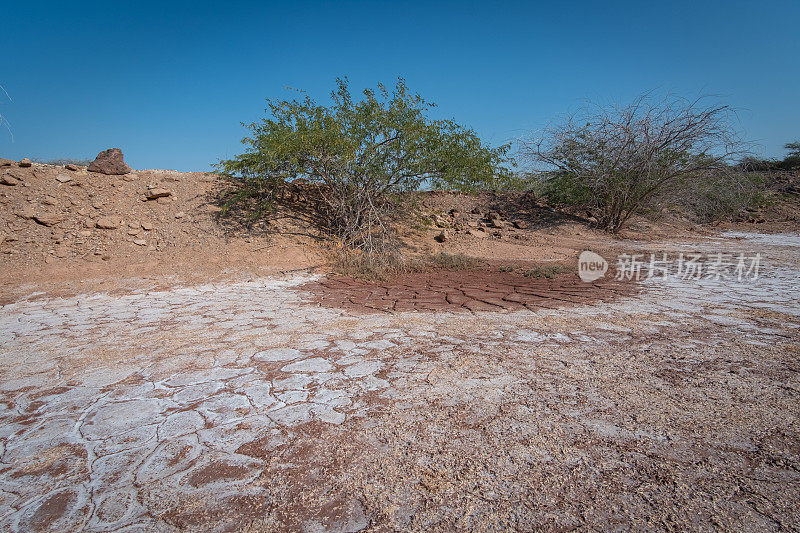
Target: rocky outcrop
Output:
[(109, 162)]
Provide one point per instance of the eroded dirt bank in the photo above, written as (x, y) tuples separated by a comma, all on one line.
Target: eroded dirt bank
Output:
[(245, 405)]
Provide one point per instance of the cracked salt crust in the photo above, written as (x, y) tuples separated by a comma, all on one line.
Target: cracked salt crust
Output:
[(112, 405)]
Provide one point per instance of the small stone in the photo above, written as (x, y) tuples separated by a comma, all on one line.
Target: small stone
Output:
[(520, 224), (27, 212), (497, 223), (108, 223), (63, 178), (477, 233), (8, 179), (140, 242), (442, 236), (147, 226), (70, 166), (493, 215), (157, 192), (6, 162), (47, 219), (180, 214), (25, 163)]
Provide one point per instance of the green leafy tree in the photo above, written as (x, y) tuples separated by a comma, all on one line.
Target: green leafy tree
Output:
[(360, 154)]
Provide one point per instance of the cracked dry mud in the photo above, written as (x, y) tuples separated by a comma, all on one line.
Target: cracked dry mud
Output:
[(248, 406)]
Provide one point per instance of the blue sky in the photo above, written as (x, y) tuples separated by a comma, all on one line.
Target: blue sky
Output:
[(170, 82)]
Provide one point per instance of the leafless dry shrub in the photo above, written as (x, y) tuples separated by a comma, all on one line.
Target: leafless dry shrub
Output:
[(722, 196), (612, 159)]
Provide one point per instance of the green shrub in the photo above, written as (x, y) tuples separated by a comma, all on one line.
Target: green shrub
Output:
[(357, 156)]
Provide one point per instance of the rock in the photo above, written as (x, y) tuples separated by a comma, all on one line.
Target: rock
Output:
[(180, 214), (147, 226), (108, 223), (477, 233), (27, 212), (439, 221), (109, 162), (70, 166), (63, 178), (8, 179), (47, 218), (140, 242), (493, 215), (442, 236), (497, 223), (6, 162), (25, 162), (520, 224), (157, 192)]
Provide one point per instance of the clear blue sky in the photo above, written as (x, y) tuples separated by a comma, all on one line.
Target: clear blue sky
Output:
[(169, 82)]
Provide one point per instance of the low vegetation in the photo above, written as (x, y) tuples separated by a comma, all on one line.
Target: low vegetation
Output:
[(356, 264), (545, 271), (67, 161), (788, 163), (348, 168)]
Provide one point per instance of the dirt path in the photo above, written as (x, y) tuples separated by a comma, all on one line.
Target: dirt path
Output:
[(239, 405)]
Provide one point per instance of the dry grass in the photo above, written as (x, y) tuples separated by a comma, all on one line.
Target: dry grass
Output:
[(545, 271), (373, 267)]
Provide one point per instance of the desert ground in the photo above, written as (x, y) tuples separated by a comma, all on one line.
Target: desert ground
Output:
[(162, 370)]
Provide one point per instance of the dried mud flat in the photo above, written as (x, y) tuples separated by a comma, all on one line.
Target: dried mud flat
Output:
[(249, 406), (465, 291)]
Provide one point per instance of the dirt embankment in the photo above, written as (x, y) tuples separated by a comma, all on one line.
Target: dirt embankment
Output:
[(66, 225), (61, 224)]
